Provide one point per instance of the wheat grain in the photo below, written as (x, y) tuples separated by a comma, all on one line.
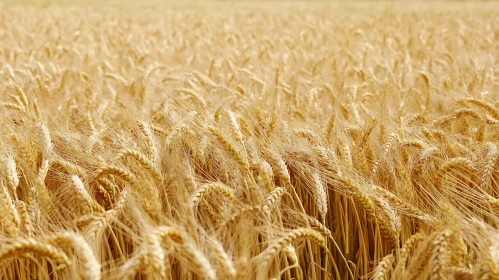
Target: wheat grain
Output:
[(440, 256)]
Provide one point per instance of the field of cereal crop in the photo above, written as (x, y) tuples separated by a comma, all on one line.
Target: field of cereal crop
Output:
[(249, 140)]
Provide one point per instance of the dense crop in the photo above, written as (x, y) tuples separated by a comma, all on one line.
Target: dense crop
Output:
[(248, 143)]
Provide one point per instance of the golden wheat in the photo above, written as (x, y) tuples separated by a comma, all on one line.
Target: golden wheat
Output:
[(263, 140)]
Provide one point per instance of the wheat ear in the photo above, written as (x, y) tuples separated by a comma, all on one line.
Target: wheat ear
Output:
[(24, 216), (115, 171), (212, 187), (198, 258), (223, 258), (440, 257), (12, 176), (8, 203), (145, 162), (29, 245), (144, 128), (383, 268), (84, 196), (295, 235), (91, 266), (400, 204), (229, 148), (484, 105), (272, 199), (320, 196)]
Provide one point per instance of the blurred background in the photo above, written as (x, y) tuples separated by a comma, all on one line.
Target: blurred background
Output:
[(347, 5)]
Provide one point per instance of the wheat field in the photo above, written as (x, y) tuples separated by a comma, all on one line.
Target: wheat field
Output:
[(250, 140)]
